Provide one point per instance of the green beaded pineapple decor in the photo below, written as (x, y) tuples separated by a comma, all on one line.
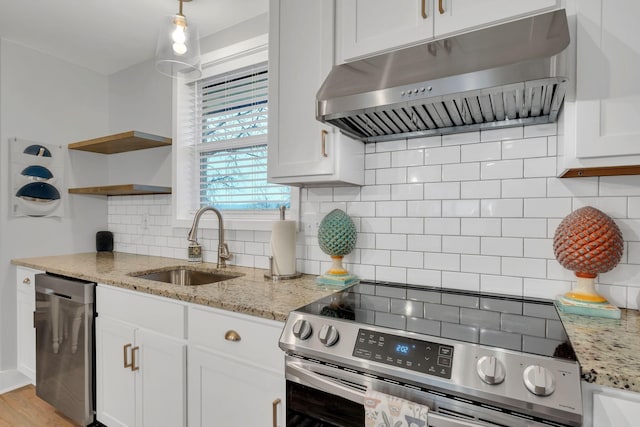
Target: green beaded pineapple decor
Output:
[(337, 238)]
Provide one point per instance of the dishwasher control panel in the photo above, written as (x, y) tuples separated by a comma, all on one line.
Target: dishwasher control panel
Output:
[(409, 353)]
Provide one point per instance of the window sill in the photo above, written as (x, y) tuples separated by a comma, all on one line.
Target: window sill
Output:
[(229, 223)]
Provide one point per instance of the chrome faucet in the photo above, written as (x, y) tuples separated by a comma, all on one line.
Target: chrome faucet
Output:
[(195, 250)]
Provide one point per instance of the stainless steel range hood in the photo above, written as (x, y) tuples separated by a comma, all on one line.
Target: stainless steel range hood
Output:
[(502, 76)]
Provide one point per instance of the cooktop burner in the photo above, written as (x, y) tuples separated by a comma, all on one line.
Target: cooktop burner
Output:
[(520, 324)]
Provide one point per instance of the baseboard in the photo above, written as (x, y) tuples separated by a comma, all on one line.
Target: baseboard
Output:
[(11, 380)]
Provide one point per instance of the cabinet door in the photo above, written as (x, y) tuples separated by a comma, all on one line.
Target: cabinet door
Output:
[(115, 383), (618, 411), (300, 56), (26, 334), (367, 27), (26, 351), (608, 88), (229, 392), (460, 15), (160, 370)]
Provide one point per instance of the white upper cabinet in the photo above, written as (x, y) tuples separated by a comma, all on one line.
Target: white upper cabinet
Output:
[(303, 151), (602, 122), (367, 27)]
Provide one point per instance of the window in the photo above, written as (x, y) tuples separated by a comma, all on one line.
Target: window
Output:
[(221, 149)]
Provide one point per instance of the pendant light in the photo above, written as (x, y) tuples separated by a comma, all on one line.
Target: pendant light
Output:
[(178, 48)]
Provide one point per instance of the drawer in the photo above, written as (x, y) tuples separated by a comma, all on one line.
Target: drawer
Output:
[(26, 279), (258, 337), (159, 314)]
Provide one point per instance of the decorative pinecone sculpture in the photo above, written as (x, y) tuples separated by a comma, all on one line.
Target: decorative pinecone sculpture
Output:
[(588, 242)]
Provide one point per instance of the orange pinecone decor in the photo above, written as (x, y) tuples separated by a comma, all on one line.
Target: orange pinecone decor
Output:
[(588, 242)]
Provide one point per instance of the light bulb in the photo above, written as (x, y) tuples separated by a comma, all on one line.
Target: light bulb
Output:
[(178, 35), (179, 48)]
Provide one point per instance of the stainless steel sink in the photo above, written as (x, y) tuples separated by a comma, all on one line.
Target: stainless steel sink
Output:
[(185, 276)]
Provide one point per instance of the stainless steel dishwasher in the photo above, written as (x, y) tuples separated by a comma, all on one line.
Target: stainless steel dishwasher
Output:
[(65, 345)]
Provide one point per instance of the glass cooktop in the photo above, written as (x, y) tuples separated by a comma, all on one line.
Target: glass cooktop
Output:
[(503, 321)]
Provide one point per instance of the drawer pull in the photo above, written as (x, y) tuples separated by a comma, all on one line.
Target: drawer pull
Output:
[(440, 7), (274, 410), (232, 335), (26, 281), (424, 9), (124, 356)]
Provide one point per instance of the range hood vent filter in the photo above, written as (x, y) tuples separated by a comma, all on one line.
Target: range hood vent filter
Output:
[(460, 84)]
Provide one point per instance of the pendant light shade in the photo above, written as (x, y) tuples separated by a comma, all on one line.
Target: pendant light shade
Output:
[(178, 47)]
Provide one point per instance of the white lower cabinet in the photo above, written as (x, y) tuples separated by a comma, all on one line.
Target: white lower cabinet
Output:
[(609, 407), (235, 370), (26, 305), (140, 372)]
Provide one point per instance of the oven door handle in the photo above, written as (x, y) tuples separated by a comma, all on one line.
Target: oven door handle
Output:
[(308, 377)]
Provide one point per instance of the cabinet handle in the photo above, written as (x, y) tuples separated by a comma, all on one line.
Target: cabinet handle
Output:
[(440, 7), (323, 138), (133, 358), (26, 281), (424, 9), (124, 355), (232, 335), (274, 410)]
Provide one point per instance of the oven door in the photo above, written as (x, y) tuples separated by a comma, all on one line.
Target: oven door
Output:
[(324, 395)]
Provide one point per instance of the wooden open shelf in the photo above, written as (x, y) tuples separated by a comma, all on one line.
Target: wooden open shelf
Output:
[(121, 143), (121, 190)]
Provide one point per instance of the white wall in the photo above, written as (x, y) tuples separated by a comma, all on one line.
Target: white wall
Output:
[(47, 100)]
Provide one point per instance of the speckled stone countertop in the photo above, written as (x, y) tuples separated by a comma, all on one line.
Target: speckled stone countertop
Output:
[(249, 294), (608, 350)]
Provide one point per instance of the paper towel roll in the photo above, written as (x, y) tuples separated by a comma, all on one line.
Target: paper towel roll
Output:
[(283, 247)]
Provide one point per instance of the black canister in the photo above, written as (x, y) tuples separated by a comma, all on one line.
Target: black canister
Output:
[(104, 241)]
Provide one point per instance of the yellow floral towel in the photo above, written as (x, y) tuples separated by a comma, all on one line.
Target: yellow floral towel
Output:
[(383, 410)]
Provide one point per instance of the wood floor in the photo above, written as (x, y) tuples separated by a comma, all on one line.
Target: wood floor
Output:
[(22, 408)]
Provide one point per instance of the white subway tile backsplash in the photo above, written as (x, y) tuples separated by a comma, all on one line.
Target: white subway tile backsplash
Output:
[(615, 207), (480, 226), (461, 172), (407, 191), (501, 134), (407, 225), (502, 169), (460, 208), (481, 152), (461, 244), (424, 208), (442, 226), (461, 138), (407, 259), (407, 158), (524, 148), (521, 188), (512, 227), (432, 215), (391, 176), (441, 155), (462, 281), (442, 190), (558, 207), (543, 166), (502, 246), (424, 173), (503, 208), (480, 189)]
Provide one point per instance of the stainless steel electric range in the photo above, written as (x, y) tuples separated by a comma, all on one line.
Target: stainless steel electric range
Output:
[(473, 359)]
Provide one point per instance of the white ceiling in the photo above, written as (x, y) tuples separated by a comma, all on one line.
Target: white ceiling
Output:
[(109, 35)]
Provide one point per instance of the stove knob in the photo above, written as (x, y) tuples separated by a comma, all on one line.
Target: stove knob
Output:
[(328, 335), (539, 380), (490, 370), (302, 329)]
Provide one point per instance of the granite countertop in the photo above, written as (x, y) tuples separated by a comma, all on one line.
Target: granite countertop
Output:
[(250, 293), (608, 349)]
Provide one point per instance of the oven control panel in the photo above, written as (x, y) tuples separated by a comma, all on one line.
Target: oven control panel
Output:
[(417, 355)]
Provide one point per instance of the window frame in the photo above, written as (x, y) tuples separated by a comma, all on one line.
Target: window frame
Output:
[(186, 199)]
